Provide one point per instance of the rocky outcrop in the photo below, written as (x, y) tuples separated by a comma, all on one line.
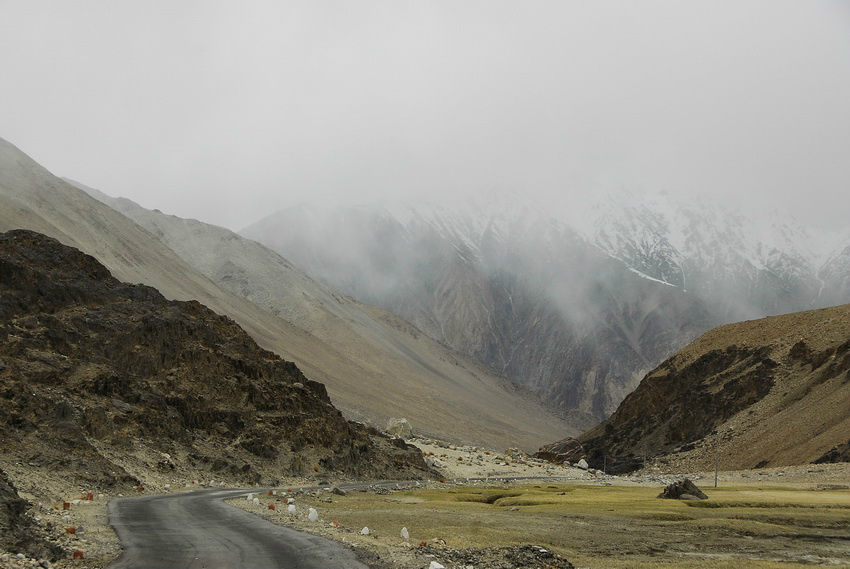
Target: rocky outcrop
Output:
[(839, 453), (91, 365), (19, 532), (565, 450), (399, 427), (683, 490)]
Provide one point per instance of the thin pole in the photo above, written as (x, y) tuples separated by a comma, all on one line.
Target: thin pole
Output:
[(716, 456)]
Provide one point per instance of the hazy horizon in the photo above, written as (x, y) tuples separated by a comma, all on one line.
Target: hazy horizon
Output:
[(225, 112)]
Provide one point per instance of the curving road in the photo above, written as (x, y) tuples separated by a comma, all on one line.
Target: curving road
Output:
[(198, 530)]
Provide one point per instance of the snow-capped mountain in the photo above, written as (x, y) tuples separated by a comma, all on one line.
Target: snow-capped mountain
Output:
[(744, 265), (575, 303)]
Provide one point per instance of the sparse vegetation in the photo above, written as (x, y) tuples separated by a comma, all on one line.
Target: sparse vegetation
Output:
[(621, 526)]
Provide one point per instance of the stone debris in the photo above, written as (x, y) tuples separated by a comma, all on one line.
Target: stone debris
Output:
[(515, 557)]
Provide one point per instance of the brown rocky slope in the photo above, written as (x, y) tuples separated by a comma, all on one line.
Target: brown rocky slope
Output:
[(374, 365), (767, 392), (18, 530), (102, 380)]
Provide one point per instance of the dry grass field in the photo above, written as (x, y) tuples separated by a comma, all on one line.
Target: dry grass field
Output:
[(615, 526)]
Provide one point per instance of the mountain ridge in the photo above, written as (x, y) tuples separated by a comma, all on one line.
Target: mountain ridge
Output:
[(367, 379)]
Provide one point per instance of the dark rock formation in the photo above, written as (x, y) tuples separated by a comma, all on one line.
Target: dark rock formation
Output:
[(839, 453), (676, 405), (87, 361), (739, 392), (565, 450), (683, 490), (19, 532)]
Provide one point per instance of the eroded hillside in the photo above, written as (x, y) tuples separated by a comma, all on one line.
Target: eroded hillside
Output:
[(767, 392), (104, 381)]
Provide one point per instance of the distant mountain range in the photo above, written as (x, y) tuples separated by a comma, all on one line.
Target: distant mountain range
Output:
[(374, 364), (576, 305)]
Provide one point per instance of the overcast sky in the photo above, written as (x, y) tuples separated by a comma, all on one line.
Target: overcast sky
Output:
[(226, 111)]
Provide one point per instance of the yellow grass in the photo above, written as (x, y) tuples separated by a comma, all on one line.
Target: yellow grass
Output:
[(621, 526)]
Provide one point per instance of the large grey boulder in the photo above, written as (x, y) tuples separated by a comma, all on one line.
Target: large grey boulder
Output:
[(683, 490), (399, 427)]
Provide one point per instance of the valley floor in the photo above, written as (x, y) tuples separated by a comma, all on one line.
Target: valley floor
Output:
[(772, 522), (770, 518)]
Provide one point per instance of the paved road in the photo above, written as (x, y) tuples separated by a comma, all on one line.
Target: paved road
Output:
[(197, 530)]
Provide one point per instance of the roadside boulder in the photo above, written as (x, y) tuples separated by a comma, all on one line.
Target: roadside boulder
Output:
[(399, 427), (582, 464), (683, 490)]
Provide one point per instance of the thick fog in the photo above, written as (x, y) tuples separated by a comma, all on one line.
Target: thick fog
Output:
[(225, 111)]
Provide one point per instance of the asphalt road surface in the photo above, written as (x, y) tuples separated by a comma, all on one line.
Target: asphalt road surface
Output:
[(198, 530)]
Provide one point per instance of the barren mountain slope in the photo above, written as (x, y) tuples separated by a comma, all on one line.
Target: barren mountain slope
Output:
[(361, 332), (406, 375), (517, 290), (96, 373), (769, 392)]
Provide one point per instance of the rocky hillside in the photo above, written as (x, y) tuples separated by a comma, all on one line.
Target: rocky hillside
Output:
[(104, 381), (374, 365), (767, 392)]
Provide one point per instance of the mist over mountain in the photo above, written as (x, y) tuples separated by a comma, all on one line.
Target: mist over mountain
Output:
[(576, 304), (374, 364)]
